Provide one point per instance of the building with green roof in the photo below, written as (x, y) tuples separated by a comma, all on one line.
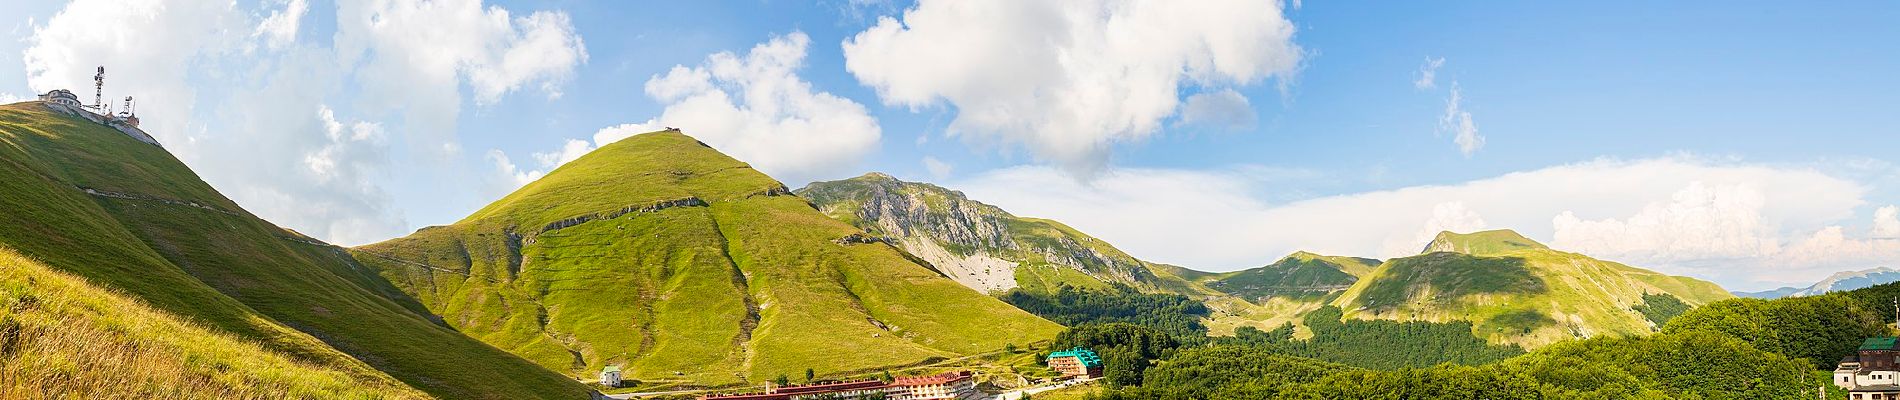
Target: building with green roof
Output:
[(1076, 363)]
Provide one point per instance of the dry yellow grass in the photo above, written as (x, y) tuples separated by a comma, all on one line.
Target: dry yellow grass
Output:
[(63, 338)]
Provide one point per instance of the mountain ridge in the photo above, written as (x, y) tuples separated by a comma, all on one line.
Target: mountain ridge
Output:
[(151, 228), (659, 254)]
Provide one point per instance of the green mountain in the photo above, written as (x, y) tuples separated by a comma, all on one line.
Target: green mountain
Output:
[(88, 200), (664, 256), (982, 246), (1299, 275), (1516, 290)]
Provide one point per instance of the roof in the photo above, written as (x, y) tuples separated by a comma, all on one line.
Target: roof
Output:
[(1087, 357), (610, 368), (937, 379), (787, 392), (1875, 388), (1879, 343)]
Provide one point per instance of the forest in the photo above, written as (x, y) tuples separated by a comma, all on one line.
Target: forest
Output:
[(1732, 349)]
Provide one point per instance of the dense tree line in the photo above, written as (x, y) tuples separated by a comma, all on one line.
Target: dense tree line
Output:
[(1662, 366), (1659, 308), (1176, 314), (1820, 329), (1379, 344)]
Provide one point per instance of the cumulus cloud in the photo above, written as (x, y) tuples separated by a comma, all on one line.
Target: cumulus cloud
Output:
[(1428, 73), (757, 109), (1223, 109), (1145, 211), (937, 168), (411, 56), (516, 176), (1457, 121), (1066, 80), (9, 98), (1887, 222), (1698, 222), (267, 118)]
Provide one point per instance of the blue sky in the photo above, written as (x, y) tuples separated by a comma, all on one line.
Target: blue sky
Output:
[(1750, 143)]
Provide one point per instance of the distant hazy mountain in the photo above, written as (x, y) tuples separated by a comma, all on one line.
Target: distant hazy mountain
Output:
[(1775, 293), (1839, 281)]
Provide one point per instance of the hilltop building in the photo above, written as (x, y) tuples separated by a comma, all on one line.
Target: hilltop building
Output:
[(125, 121), (610, 376), (959, 385), (1076, 363), (1869, 374), (62, 97)]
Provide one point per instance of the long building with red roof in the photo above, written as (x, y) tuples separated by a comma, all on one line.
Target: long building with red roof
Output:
[(959, 385)]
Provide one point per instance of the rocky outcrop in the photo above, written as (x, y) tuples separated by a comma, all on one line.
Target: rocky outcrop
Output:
[(973, 243)]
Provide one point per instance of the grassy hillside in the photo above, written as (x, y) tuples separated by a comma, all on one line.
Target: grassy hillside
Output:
[(1515, 290), (64, 337), (983, 246), (1301, 275), (90, 201), (686, 266)]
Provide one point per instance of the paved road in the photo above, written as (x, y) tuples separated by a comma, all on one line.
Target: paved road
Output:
[(1018, 393)]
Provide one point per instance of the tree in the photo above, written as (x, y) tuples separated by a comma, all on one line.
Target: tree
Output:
[(810, 375), (782, 380)]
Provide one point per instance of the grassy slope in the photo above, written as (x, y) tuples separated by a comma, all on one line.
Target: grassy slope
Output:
[(1517, 291), (66, 337), (196, 254), (1301, 275), (743, 284)]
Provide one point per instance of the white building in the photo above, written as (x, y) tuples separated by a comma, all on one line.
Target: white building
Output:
[(945, 386), (610, 376), (62, 97)]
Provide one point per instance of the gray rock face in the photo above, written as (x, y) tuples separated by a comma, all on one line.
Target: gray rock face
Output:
[(965, 236)]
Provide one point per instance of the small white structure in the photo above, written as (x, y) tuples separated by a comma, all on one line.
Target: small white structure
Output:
[(610, 376), (61, 97)]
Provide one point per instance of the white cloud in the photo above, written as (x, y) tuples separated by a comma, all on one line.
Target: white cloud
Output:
[(757, 109), (267, 117), (410, 56), (938, 169), (280, 28), (569, 151), (9, 98), (1447, 216), (516, 176), (1066, 80), (1887, 222), (1224, 109), (1457, 120), (615, 133), (1150, 212), (1428, 73), (1700, 221)]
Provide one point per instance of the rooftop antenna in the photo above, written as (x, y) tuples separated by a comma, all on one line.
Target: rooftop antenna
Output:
[(99, 89), (128, 107)]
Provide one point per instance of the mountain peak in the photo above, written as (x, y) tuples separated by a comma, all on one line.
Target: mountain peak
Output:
[(876, 176), (1482, 242)]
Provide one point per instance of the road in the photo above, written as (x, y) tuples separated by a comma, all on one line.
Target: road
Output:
[(1019, 393)]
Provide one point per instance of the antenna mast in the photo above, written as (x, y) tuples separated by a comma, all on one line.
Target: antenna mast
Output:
[(99, 89)]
